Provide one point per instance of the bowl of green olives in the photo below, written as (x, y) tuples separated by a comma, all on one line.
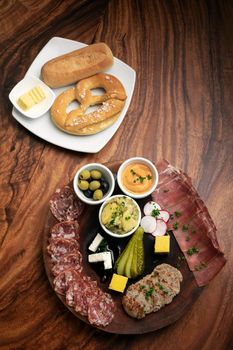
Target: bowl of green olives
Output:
[(93, 183)]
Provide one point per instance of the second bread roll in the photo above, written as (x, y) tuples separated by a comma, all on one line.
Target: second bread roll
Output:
[(76, 65)]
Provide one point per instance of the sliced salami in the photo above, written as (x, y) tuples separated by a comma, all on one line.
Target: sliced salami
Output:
[(59, 247), (65, 229), (64, 204), (88, 289), (64, 279), (101, 310), (72, 260), (74, 295)]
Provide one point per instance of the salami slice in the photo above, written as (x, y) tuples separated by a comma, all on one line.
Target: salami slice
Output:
[(63, 281), (59, 247), (72, 260), (74, 291), (101, 310), (65, 229), (87, 291), (65, 205)]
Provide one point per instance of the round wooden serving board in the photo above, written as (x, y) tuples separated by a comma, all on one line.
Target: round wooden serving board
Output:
[(122, 323)]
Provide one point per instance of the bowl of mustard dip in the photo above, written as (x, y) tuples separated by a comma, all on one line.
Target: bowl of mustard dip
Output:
[(120, 216), (137, 177)]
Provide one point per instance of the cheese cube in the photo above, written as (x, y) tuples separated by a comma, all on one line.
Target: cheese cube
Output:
[(95, 243), (104, 257), (118, 283), (162, 244)]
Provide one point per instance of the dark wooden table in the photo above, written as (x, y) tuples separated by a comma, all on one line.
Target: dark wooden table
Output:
[(181, 110)]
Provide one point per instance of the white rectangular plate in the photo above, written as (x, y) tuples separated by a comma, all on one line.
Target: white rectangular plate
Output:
[(43, 126)]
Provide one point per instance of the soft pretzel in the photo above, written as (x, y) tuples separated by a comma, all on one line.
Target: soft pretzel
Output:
[(109, 104)]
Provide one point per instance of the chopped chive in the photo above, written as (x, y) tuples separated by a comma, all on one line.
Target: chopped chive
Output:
[(192, 251), (175, 225)]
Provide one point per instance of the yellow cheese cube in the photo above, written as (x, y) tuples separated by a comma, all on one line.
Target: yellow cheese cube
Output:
[(162, 244), (118, 283)]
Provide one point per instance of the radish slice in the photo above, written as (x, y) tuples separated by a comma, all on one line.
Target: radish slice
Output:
[(164, 215), (161, 228), (148, 223), (150, 206)]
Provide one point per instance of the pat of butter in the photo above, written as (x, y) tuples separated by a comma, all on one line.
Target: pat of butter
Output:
[(162, 244), (118, 283), (32, 97)]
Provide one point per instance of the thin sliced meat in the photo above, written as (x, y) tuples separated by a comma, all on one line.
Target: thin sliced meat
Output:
[(81, 300), (193, 228), (75, 295), (65, 205), (101, 310), (64, 279), (72, 260), (60, 247), (65, 229)]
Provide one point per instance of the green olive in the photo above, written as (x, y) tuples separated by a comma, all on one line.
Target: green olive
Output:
[(94, 185), (97, 195), (96, 174), (83, 185), (85, 174)]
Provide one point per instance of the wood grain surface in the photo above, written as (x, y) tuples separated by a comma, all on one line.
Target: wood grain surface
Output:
[(181, 110)]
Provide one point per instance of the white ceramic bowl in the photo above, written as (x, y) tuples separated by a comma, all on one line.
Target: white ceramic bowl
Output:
[(118, 235), (26, 84), (107, 174), (132, 161)]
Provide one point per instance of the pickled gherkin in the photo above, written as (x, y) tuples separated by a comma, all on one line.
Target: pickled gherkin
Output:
[(131, 261), (140, 252)]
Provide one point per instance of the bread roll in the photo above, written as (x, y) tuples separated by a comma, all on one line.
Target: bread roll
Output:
[(76, 65)]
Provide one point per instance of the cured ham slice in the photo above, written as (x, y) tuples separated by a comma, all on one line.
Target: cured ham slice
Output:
[(191, 223), (65, 205)]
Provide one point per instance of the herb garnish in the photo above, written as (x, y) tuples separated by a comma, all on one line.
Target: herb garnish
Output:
[(187, 238), (175, 225), (149, 292), (162, 288), (155, 212), (193, 250), (177, 214), (201, 266), (181, 257), (139, 177), (185, 227)]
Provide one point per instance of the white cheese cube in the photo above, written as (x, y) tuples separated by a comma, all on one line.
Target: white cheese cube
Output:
[(108, 261), (95, 243), (104, 257)]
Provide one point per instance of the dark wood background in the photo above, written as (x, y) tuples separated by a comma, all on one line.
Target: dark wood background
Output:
[(181, 110)]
